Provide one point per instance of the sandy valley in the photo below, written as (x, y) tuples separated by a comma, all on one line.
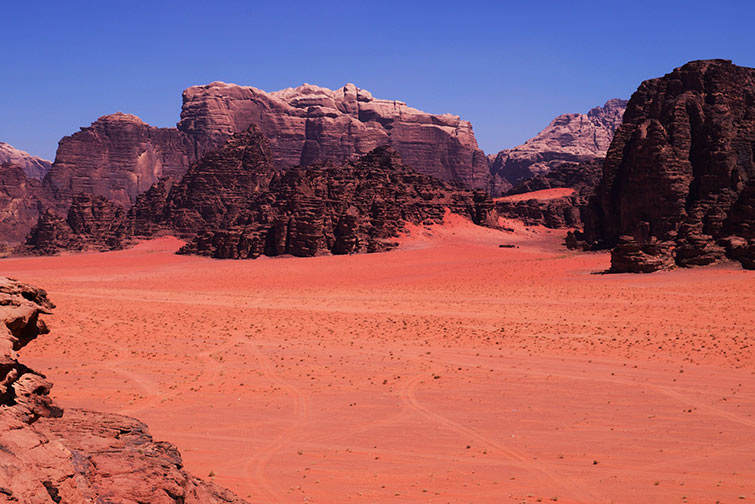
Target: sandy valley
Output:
[(450, 370)]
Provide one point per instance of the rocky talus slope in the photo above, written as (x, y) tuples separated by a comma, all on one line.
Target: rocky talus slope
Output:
[(48, 456), (678, 185), (554, 212), (34, 167), (569, 137)]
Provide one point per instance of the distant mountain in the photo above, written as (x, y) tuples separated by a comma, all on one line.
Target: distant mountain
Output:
[(34, 167), (569, 137)]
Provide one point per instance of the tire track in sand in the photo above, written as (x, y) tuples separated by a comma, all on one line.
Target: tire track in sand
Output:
[(256, 465), (408, 395)]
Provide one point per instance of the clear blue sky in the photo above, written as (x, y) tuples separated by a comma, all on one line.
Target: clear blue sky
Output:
[(508, 67)]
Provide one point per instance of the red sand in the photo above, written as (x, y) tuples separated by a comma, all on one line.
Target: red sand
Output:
[(543, 194), (450, 370)]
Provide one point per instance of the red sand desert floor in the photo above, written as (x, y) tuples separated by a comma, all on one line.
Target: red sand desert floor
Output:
[(450, 370)]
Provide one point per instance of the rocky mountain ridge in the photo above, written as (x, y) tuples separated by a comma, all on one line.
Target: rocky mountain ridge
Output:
[(310, 123), (235, 203), (569, 137)]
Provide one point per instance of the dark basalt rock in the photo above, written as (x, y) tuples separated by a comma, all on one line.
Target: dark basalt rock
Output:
[(680, 172)]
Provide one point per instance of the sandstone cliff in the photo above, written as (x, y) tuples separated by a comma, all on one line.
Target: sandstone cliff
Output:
[(34, 167), (117, 157), (569, 137), (49, 456), (235, 203), (678, 185), (21, 201), (310, 123), (245, 207)]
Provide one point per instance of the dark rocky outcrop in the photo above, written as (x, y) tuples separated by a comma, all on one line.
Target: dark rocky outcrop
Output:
[(561, 211), (309, 123), (245, 207), (117, 157), (235, 203), (34, 167), (678, 184), (569, 137), (92, 223), (50, 456)]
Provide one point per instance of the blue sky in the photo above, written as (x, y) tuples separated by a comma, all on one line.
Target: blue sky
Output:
[(508, 67)]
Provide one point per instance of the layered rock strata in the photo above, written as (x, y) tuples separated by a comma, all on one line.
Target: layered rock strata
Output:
[(117, 157), (309, 123), (50, 456), (678, 185)]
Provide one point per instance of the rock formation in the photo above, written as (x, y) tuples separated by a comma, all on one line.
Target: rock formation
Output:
[(117, 157), (34, 167), (245, 207), (569, 137), (49, 456), (21, 201), (678, 185), (93, 222), (235, 203), (563, 211), (310, 123)]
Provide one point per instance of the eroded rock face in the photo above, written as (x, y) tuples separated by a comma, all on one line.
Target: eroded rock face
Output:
[(34, 167), (569, 137), (117, 157), (678, 185), (48, 456), (24, 394), (92, 223), (21, 201), (308, 124), (245, 207), (559, 212)]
